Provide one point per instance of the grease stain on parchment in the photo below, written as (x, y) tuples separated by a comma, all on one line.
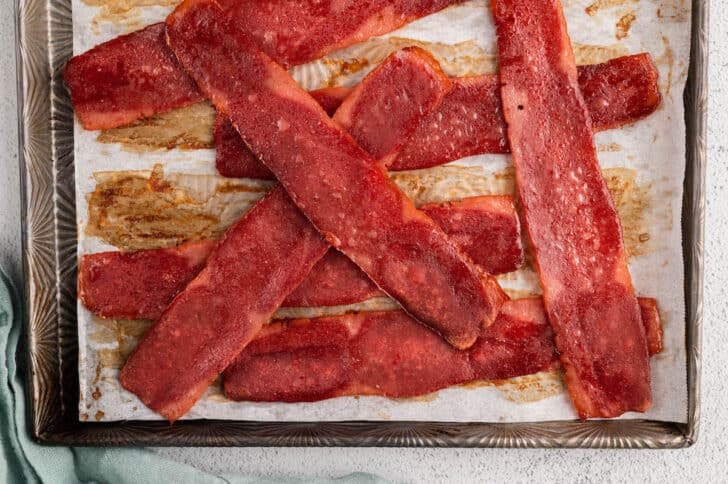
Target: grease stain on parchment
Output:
[(600, 5), (186, 128), (126, 14), (524, 293), (666, 59), (609, 148), (348, 66), (148, 209), (429, 397), (527, 388), (135, 210), (452, 182), (216, 392), (373, 304), (116, 339), (633, 202), (674, 10), (624, 24), (585, 54)]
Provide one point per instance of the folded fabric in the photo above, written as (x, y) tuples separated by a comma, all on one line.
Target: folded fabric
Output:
[(24, 461)]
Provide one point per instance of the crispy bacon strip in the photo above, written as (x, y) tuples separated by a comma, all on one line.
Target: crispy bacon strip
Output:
[(259, 260), (329, 176), (389, 354), (141, 284), (130, 77), (470, 119), (135, 75), (571, 221)]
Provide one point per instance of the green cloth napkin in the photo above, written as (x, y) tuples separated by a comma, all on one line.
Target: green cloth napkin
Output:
[(25, 461)]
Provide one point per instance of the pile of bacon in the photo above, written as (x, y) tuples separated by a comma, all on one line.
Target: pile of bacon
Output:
[(330, 151)]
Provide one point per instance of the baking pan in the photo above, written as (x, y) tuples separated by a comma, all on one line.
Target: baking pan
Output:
[(45, 118)]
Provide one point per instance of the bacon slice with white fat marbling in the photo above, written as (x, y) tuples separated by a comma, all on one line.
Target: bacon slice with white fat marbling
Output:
[(574, 229), (389, 354), (141, 284), (339, 187)]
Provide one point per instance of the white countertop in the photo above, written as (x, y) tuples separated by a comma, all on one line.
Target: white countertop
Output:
[(705, 462)]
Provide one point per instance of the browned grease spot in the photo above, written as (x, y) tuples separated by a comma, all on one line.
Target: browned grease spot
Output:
[(143, 210), (347, 66), (83, 417), (99, 415), (598, 5), (189, 127), (97, 376), (96, 394), (520, 293), (123, 334), (430, 397), (124, 13), (525, 389), (667, 58), (596, 54), (452, 182), (531, 388), (624, 24), (342, 68), (632, 201), (674, 10), (215, 392), (609, 147)]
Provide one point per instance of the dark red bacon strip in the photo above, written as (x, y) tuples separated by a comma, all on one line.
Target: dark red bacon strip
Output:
[(330, 98), (619, 90), (470, 119), (140, 285), (259, 260), (130, 77), (135, 75), (389, 354), (293, 32), (367, 111), (234, 159), (574, 229), (336, 184), (485, 228)]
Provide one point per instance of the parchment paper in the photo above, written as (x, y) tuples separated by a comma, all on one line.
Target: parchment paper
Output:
[(647, 160)]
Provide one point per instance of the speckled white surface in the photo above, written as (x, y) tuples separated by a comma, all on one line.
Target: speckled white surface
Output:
[(707, 461)]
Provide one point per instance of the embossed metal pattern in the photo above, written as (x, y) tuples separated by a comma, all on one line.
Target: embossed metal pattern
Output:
[(44, 43)]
